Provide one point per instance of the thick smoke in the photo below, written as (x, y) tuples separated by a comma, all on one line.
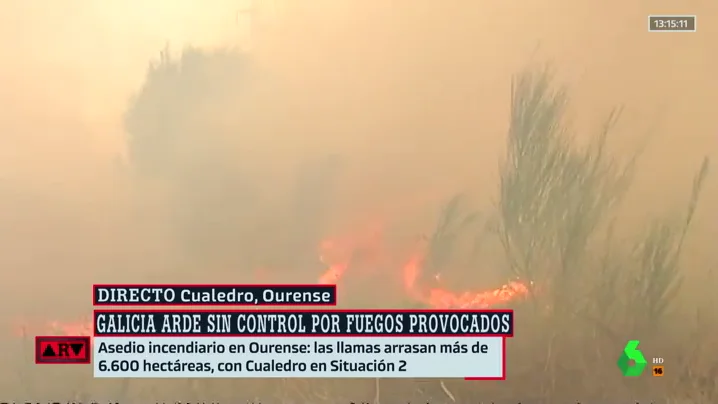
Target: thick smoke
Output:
[(217, 164)]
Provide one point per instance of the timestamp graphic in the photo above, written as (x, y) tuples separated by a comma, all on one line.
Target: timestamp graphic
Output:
[(672, 23)]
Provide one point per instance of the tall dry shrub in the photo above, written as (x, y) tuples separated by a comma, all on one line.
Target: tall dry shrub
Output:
[(556, 213)]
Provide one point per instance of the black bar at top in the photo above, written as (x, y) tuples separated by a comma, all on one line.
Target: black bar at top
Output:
[(214, 295), (256, 323)]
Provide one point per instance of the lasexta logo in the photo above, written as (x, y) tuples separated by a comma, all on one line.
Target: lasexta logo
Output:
[(631, 362)]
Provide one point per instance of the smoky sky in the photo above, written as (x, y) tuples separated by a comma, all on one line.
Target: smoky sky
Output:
[(378, 110)]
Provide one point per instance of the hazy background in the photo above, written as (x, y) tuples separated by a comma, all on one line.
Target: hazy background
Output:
[(413, 95)]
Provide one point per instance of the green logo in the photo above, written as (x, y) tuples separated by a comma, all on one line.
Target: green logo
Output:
[(631, 353)]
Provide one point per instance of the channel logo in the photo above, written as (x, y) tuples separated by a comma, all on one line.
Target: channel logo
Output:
[(632, 363)]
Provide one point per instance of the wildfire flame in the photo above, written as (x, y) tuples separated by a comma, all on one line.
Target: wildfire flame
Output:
[(338, 258), (341, 256)]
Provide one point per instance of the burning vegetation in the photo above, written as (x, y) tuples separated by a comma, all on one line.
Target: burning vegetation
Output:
[(554, 229)]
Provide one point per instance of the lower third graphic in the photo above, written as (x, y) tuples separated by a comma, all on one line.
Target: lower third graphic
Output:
[(62, 350)]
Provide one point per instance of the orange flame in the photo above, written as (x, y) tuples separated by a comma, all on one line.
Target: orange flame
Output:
[(444, 299), (362, 254), (338, 259), (335, 271)]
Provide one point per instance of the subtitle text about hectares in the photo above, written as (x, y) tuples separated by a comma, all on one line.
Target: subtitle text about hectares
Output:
[(341, 357)]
